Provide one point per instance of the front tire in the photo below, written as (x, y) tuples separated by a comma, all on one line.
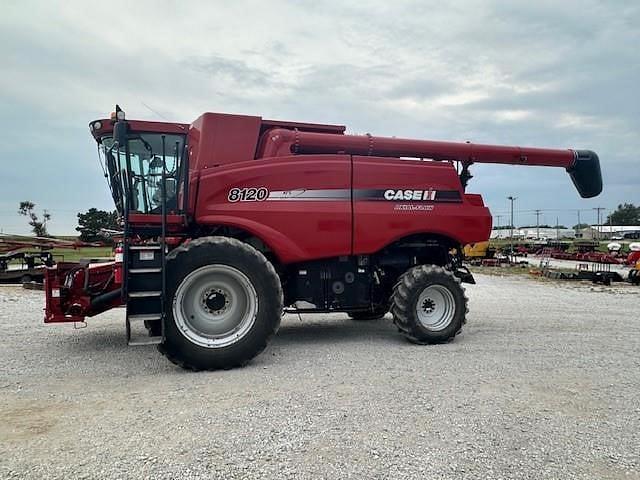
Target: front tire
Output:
[(429, 305), (224, 303)]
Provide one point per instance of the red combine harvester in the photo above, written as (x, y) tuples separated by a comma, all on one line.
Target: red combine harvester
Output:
[(234, 219)]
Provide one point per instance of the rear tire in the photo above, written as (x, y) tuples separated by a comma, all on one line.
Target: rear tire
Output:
[(224, 303), (429, 305)]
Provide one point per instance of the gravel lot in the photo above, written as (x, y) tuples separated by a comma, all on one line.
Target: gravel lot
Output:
[(543, 383)]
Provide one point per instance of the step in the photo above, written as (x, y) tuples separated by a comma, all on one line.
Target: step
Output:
[(146, 317), (151, 293), (145, 247), (145, 341), (145, 270)]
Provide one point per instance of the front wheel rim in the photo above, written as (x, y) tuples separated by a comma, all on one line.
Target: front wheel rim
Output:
[(435, 308), (215, 306)]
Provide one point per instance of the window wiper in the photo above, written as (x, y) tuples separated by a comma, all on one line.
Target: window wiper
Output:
[(146, 144)]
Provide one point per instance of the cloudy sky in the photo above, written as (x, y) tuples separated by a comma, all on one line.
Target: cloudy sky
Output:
[(545, 73)]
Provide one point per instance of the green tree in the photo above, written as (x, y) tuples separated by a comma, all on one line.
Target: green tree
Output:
[(38, 227), (92, 221), (580, 226), (625, 214)]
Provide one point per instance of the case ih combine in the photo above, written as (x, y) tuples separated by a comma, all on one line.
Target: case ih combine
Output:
[(234, 219)]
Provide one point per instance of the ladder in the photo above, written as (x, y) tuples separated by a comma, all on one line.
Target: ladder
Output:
[(144, 274), (145, 292)]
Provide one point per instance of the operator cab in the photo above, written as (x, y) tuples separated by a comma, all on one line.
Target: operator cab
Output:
[(136, 157)]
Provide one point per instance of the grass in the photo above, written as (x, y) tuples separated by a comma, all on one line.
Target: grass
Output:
[(73, 255)]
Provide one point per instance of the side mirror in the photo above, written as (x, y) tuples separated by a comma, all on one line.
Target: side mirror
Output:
[(120, 132)]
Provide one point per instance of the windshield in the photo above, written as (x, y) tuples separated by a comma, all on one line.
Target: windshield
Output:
[(141, 173)]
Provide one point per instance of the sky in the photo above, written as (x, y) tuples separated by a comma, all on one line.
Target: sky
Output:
[(545, 73)]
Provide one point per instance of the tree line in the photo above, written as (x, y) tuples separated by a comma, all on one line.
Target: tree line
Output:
[(627, 214), (90, 223)]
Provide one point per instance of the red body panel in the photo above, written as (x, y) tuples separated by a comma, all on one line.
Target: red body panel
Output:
[(149, 219), (296, 230), (378, 223), (218, 139), (310, 212)]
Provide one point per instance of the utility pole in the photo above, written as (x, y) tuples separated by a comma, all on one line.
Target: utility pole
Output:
[(598, 210), (610, 225), (498, 217), (578, 226), (512, 199), (538, 224), (557, 229)]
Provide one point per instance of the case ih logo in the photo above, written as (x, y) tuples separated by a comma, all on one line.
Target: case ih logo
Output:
[(408, 195), (342, 195)]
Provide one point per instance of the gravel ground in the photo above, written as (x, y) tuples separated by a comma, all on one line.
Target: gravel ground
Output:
[(543, 383)]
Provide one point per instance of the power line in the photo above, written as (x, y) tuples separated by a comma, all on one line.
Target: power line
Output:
[(533, 211)]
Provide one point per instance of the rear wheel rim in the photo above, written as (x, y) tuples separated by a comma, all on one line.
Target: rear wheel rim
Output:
[(435, 308), (215, 306)]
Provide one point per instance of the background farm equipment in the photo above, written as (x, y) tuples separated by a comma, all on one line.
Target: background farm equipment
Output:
[(24, 267), (24, 259), (476, 252), (580, 251), (634, 275), (634, 260)]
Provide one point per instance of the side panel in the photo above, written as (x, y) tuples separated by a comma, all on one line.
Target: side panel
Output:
[(394, 198), (300, 206), (215, 139)]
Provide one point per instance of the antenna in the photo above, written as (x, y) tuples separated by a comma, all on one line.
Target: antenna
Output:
[(154, 111)]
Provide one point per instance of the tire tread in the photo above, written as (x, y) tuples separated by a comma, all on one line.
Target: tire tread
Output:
[(186, 250), (401, 308)]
